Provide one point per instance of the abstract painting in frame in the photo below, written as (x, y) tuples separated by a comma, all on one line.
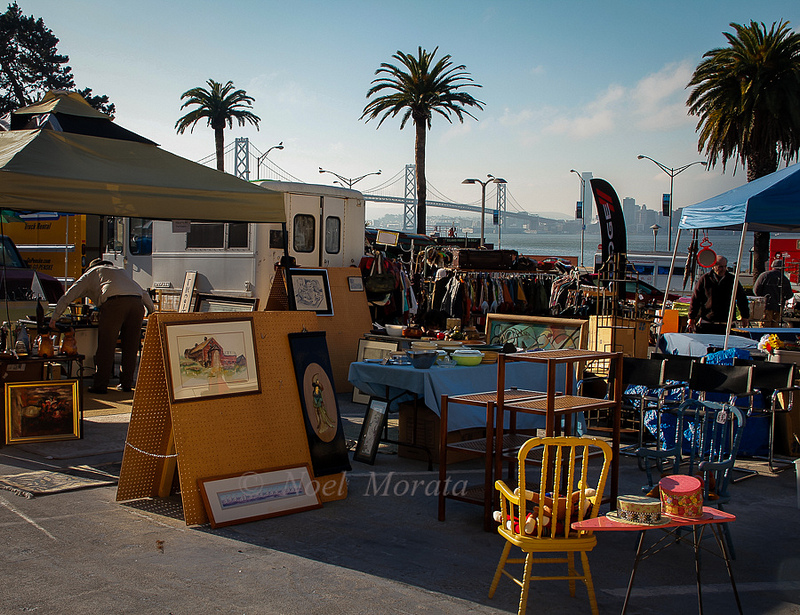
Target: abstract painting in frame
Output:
[(46, 411), (311, 291), (250, 496), (210, 358), (536, 332)]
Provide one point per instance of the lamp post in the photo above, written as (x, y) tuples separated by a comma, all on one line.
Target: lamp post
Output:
[(583, 208), (350, 181), (654, 228), (492, 180), (672, 173), (263, 157)]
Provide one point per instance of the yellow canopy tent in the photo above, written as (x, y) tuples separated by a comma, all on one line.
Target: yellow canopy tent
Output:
[(124, 175)]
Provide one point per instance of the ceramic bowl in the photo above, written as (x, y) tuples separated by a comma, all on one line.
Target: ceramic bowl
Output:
[(467, 357), (394, 330), (422, 359)]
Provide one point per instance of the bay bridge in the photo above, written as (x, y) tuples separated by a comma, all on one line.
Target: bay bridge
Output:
[(249, 163)]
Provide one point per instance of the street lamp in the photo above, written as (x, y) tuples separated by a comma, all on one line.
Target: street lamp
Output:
[(583, 208), (347, 180), (654, 228), (263, 157), (492, 180), (672, 173)]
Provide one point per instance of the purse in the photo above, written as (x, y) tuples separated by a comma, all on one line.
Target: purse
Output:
[(379, 281)]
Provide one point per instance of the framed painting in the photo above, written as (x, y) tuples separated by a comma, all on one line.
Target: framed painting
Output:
[(189, 281), (207, 302), (311, 291), (355, 283), (210, 358), (249, 496), (370, 436), (536, 332), (45, 411), (371, 349)]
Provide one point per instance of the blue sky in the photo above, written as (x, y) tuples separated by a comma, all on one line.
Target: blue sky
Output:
[(566, 84)]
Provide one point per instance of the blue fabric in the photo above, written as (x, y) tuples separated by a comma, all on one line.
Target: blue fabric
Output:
[(726, 357), (404, 382)]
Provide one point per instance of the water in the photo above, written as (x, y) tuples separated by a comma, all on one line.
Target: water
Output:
[(725, 243)]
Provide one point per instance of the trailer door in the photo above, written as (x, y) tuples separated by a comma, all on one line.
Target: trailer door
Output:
[(333, 230)]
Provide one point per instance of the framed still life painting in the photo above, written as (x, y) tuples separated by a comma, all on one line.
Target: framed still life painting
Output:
[(45, 411), (210, 358)]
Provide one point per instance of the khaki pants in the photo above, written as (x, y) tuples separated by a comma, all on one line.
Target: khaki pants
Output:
[(120, 317), (772, 318)]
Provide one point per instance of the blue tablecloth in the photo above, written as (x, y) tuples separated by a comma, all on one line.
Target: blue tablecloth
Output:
[(697, 344), (787, 334), (430, 384)]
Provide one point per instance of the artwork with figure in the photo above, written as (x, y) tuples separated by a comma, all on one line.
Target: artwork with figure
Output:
[(536, 333), (322, 409), (311, 291)]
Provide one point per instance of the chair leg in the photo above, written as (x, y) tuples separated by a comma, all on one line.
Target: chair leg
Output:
[(587, 578), (572, 572), (526, 584), (499, 571), (728, 538)]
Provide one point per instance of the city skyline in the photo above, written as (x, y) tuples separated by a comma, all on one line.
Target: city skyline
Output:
[(572, 85)]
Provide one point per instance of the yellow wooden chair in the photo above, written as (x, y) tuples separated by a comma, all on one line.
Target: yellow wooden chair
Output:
[(564, 472)]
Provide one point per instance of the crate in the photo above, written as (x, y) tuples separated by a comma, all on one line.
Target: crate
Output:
[(631, 335), (427, 434)]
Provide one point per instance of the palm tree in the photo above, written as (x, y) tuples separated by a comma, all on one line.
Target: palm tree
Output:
[(418, 87), (221, 104), (747, 96)]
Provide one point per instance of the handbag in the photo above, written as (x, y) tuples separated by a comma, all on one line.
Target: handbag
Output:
[(379, 281)]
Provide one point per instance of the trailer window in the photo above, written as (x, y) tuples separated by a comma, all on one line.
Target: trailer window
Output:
[(140, 240), (333, 234), (228, 235), (303, 233)]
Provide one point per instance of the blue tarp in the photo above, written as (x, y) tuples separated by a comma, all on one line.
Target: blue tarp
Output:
[(769, 203)]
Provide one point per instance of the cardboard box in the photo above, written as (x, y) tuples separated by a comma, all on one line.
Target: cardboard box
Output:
[(631, 336), (427, 434)]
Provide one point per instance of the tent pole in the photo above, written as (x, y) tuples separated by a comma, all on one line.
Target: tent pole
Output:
[(732, 307), (666, 289)]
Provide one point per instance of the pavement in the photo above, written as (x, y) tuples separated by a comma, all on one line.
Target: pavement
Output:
[(381, 550)]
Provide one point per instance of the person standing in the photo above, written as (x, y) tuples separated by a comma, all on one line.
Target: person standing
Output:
[(121, 303), (776, 288), (711, 300)]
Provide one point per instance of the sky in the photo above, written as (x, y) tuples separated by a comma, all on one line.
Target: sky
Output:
[(567, 84)]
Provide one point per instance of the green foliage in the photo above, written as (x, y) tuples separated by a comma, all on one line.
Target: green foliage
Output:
[(219, 105), (416, 88), (747, 96), (30, 64)]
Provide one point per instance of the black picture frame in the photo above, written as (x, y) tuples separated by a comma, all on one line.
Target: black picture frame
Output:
[(310, 291), (371, 428)]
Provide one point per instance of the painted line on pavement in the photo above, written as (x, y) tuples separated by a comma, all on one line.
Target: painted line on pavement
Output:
[(6, 504)]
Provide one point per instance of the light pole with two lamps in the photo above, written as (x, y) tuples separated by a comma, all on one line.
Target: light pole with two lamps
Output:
[(350, 181), (583, 208), (263, 157), (672, 173), (492, 180)]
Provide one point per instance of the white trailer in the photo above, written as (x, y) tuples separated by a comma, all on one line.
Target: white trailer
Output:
[(324, 228)]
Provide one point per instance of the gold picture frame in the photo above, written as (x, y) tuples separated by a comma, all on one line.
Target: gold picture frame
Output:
[(43, 411), (537, 332)]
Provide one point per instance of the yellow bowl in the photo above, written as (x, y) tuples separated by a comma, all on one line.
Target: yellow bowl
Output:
[(471, 359)]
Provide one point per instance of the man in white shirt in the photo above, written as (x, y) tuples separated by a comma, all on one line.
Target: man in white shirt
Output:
[(121, 303)]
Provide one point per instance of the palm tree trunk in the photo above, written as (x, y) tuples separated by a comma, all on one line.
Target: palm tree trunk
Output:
[(219, 142), (422, 182), (759, 165)]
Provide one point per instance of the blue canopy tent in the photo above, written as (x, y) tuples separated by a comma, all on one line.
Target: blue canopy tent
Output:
[(769, 203)]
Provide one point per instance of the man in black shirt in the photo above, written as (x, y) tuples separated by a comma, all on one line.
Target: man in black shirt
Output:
[(711, 300)]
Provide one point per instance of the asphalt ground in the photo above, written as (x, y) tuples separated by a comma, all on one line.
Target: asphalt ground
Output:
[(381, 550)]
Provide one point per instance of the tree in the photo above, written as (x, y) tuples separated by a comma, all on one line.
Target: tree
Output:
[(747, 96), (417, 88), (30, 64), (220, 105)]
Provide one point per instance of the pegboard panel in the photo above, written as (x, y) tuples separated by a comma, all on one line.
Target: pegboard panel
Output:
[(150, 425), (228, 435), (351, 320), (278, 298)]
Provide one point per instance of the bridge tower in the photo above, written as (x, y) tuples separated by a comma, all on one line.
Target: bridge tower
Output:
[(241, 165), (410, 200)]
